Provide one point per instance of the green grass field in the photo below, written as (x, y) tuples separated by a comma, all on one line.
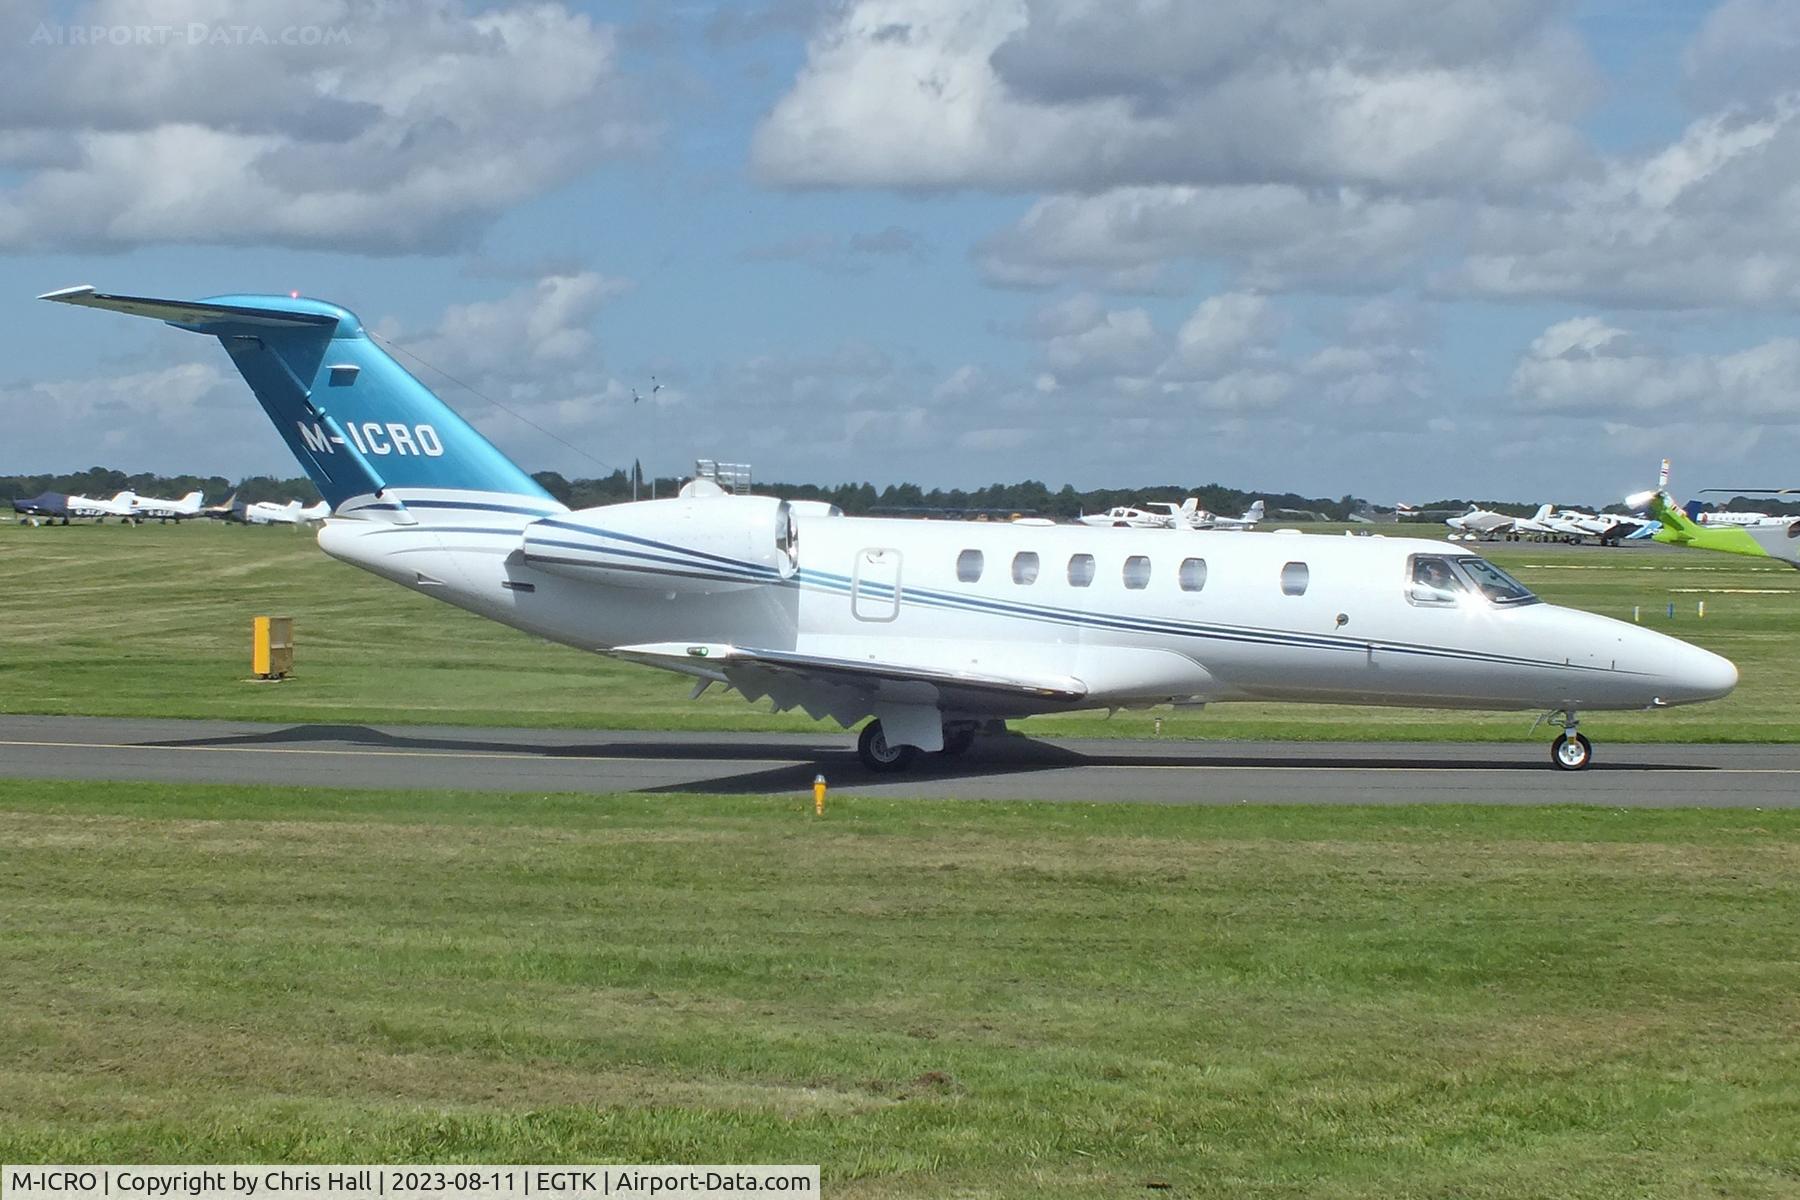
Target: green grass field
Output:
[(927, 998), (155, 620)]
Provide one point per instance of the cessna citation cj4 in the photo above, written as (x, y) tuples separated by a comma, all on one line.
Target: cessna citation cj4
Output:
[(935, 629)]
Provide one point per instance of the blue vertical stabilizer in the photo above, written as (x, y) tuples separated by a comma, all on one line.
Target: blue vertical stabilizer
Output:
[(358, 423)]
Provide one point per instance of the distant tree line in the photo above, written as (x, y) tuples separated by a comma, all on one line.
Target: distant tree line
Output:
[(1766, 504), (104, 481), (1030, 498)]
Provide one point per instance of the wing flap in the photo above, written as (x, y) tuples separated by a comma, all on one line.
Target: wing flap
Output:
[(872, 675)]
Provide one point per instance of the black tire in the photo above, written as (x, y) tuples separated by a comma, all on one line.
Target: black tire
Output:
[(872, 747), (1571, 753), (958, 740)]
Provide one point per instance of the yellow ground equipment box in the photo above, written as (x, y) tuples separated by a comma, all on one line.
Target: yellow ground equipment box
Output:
[(272, 649)]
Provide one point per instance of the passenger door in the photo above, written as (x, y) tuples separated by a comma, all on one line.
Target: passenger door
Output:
[(875, 584)]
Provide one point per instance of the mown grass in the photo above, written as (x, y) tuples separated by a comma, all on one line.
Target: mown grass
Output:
[(117, 621), (925, 998)]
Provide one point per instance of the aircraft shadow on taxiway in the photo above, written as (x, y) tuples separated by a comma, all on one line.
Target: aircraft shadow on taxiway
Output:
[(800, 757)]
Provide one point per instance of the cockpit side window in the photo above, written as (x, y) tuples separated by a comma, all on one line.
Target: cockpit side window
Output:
[(1495, 584), (1431, 582)]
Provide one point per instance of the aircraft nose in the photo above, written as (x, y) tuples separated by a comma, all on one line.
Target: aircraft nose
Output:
[(1693, 674)]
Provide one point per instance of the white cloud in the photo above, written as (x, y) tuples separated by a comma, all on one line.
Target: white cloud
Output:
[(1705, 221), (409, 132), (1225, 330), (1274, 235), (1080, 96), (1587, 367), (1117, 342), (1349, 146), (1744, 53), (545, 326), (126, 420), (1225, 361)]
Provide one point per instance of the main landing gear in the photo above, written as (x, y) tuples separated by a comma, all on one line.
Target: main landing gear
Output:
[(872, 747), (879, 756), (1571, 751)]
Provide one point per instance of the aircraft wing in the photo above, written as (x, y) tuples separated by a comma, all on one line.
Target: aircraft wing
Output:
[(826, 684)]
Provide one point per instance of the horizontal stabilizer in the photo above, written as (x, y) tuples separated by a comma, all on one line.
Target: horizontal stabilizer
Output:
[(198, 313), (1784, 491)]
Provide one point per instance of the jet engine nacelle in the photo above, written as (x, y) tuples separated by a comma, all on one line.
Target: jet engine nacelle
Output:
[(691, 543)]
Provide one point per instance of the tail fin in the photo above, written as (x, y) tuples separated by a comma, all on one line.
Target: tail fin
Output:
[(358, 423), (1256, 510), (1693, 508), (1675, 525), (1543, 511)]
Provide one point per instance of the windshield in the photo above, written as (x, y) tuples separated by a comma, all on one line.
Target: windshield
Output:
[(1494, 583)]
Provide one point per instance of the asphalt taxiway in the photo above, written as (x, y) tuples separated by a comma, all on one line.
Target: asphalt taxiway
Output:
[(1008, 768)]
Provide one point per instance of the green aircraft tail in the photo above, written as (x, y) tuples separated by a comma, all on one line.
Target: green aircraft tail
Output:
[(1780, 542)]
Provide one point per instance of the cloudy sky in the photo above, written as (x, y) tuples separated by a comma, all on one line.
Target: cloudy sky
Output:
[(1511, 248)]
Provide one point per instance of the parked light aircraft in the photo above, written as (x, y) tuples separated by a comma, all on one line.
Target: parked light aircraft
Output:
[(1250, 520), (1153, 515), (41, 508), (267, 512), (1478, 522), (148, 508), (1538, 525), (935, 629), (99, 508)]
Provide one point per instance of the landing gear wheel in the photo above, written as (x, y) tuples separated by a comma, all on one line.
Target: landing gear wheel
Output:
[(1571, 753), (957, 740), (872, 747)]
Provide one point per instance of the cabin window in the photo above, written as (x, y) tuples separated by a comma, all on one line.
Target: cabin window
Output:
[(1294, 578), (1137, 572), (1192, 574), (1431, 583), (968, 566), (1025, 567), (1081, 570)]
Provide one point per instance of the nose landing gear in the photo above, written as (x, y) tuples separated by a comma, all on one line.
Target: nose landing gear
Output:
[(1571, 751)]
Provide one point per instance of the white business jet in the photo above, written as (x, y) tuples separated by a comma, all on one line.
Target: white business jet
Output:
[(935, 629), (1740, 520)]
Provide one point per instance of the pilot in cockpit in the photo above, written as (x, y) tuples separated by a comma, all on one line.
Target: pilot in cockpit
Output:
[(1432, 579)]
